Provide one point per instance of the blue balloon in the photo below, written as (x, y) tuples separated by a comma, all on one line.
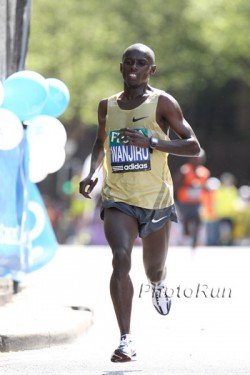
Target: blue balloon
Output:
[(58, 98), (1, 93), (25, 94)]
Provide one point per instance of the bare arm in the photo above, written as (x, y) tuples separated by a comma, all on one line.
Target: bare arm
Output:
[(88, 183), (168, 115)]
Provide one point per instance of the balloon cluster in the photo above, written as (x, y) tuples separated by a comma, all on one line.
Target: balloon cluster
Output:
[(27, 98)]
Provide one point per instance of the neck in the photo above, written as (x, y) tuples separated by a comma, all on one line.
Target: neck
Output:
[(133, 93)]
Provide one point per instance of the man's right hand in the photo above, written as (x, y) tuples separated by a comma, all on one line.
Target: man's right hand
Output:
[(86, 186)]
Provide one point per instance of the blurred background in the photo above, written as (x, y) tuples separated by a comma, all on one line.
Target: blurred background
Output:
[(202, 56)]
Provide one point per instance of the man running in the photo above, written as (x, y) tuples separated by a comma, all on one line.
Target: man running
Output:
[(137, 194)]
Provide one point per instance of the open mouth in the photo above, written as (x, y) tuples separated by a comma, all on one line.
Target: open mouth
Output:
[(132, 76)]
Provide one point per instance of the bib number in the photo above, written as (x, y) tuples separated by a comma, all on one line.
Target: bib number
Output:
[(127, 158)]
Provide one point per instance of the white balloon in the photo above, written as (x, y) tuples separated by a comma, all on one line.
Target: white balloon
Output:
[(11, 130), (38, 153), (1, 93), (57, 160), (36, 174), (37, 166), (46, 129), (47, 158)]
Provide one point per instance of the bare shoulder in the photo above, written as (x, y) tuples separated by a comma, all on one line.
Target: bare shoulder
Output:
[(102, 107), (103, 102), (168, 108), (165, 99)]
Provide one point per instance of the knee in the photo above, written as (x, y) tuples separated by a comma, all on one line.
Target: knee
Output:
[(121, 262), (156, 273)]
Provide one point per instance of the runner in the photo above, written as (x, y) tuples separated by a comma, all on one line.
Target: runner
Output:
[(190, 183), (137, 193)]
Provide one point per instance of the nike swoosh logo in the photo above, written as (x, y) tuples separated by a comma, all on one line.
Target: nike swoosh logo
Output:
[(139, 118), (157, 220)]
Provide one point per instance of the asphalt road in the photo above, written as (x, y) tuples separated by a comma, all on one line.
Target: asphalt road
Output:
[(206, 332)]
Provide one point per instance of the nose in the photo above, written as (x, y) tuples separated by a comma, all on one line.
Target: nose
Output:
[(134, 66)]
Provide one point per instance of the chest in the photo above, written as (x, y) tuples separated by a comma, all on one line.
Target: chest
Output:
[(143, 116)]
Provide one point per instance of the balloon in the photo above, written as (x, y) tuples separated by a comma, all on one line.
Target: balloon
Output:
[(11, 130), (25, 94), (1, 93), (58, 98), (44, 159), (57, 160), (36, 174), (46, 129), (37, 163), (47, 137)]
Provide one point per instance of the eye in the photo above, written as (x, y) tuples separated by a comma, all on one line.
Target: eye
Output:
[(128, 62), (142, 63)]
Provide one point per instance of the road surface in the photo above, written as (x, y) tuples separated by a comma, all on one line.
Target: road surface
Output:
[(206, 332)]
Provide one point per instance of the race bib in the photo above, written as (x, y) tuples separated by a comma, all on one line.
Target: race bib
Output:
[(126, 158)]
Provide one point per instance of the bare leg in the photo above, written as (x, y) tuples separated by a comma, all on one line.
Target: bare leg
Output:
[(121, 231), (195, 230), (155, 248), (186, 227)]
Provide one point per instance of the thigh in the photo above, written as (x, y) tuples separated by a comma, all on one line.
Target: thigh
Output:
[(155, 247), (120, 229)]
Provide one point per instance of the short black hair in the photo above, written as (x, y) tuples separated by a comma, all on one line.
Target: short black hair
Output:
[(143, 48)]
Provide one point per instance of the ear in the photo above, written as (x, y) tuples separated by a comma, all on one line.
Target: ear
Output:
[(121, 67), (153, 70)]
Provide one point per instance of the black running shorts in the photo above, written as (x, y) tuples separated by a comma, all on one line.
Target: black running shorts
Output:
[(148, 220)]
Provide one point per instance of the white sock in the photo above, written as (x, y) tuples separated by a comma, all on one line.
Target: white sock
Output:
[(158, 284), (126, 336)]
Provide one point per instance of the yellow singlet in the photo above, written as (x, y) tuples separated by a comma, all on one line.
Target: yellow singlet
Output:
[(132, 174)]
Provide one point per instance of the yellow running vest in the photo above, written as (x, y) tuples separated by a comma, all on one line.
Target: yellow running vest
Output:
[(132, 174)]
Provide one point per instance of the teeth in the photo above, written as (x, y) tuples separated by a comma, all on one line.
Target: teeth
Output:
[(132, 75)]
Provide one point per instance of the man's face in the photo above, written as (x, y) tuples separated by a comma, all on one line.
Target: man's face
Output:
[(136, 67)]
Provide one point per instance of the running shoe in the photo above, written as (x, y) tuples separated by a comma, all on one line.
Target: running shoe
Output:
[(160, 300), (124, 352)]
